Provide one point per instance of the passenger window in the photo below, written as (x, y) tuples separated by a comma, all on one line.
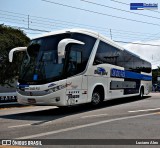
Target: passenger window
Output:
[(106, 54)]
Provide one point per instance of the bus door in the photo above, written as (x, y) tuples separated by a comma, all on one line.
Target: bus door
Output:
[(74, 78)]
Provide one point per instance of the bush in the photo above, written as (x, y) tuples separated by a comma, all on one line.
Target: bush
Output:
[(9, 39)]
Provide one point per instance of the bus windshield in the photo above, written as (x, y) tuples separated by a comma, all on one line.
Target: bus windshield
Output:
[(40, 65), (41, 62)]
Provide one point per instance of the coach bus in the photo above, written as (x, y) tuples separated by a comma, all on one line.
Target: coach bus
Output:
[(75, 66)]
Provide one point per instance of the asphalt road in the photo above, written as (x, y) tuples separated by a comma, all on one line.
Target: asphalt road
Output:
[(119, 120)]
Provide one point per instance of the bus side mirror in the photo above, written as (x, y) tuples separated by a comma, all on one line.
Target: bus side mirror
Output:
[(62, 46), (14, 50)]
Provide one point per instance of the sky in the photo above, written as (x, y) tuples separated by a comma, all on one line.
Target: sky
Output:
[(112, 18)]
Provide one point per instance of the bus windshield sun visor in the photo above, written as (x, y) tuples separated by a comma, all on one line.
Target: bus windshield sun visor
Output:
[(17, 49), (62, 45)]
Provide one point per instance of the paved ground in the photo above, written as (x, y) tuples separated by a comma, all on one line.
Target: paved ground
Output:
[(121, 119)]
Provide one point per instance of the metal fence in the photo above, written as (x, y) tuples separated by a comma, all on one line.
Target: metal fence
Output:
[(8, 97)]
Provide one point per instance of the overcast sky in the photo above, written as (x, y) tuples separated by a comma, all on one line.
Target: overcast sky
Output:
[(113, 19), (150, 53)]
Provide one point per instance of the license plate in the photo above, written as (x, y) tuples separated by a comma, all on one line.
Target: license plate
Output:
[(31, 101)]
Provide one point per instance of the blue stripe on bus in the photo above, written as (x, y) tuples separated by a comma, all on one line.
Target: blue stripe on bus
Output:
[(128, 74)]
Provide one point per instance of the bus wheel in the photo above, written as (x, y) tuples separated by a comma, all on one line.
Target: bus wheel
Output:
[(141, 93), (96, 98)]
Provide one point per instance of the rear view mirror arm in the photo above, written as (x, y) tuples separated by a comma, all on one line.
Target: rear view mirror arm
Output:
[(62, 46), (14, 50)]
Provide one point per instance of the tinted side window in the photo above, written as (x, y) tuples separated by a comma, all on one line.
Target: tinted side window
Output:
[(111, 55), (107, 54), (128, 60), (146, 67), (135, 64)]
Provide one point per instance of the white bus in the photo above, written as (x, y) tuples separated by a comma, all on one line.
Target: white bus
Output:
[(76, 66)]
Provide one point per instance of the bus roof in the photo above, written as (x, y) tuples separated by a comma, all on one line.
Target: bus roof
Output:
[(83, 31), (79, 30), (90, 33)]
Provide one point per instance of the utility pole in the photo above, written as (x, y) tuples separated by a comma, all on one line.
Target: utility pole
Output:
[(111, 33), (28, 21)]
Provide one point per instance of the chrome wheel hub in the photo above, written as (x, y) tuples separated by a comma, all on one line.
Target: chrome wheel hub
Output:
[(95, 98)]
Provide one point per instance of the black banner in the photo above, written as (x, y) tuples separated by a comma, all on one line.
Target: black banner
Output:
[(38, 142)]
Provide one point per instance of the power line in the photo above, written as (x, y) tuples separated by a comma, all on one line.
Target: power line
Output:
[(98, 4), (152, 37), (65, 24), (131, 32), (53, 19), (96, 12), (77, 24), (44, 25), (49, 31), (13, 12), (119, 2), (12, 18), (39, 22), (119, 33), (136, 43), (12, 15), (33, 29), (28, 28), (91, 26), (129, 4), (30, 32), (14, 22), (106, 33)]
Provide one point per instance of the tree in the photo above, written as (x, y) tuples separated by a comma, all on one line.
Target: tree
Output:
[(155, 75), (9, 39)]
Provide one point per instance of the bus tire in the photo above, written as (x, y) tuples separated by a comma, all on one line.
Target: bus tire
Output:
[(97, 97), (141, 93)]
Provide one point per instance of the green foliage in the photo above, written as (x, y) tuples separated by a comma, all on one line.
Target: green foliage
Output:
[(155, 74), (9, 39)]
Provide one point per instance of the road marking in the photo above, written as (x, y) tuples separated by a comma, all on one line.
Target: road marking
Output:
[(83, 126), (135, 111), (98, 115), (46, 123), (19, 125)]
